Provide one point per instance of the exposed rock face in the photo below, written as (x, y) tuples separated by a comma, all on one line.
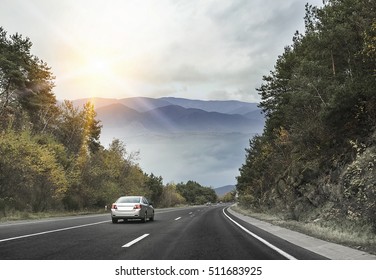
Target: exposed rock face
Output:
[(346, 192)]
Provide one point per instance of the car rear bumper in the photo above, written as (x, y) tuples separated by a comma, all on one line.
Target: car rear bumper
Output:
[(126, 214)]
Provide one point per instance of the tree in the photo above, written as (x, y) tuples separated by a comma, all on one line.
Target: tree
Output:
[(99, 179), (319, 98), (50, 155), (70, 127), (92, 128), (170, 197), (79, 129), (194, 193), (26, 85), (31, 178), (228, 197), (154, 185)]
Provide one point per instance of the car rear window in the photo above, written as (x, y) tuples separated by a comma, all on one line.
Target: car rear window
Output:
[(129, 199)]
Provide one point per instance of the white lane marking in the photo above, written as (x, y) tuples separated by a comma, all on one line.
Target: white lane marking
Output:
[(51, 231), (178, 218), (283, 253), (190, 213), (129, 244), (167, 210), (48, 220)]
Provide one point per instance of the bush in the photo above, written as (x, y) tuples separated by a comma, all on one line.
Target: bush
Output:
[(30, 176)]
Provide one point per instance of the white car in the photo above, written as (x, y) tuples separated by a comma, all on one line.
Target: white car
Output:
[(132, 207)]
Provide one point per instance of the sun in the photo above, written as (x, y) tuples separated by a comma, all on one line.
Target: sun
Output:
[(97, 72), (99, 66), (94, 74)]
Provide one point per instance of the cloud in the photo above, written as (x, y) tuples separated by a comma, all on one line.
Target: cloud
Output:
[(207, 47), (226, 48), (198, 49)]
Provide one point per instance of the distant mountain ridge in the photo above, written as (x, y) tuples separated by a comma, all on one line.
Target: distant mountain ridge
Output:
[(221, 191), (181, 139), (143, 104), (175, 115), (220, 106)]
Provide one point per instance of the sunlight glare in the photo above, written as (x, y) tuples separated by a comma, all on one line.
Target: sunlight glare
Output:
[(120, 60), (98, 66)]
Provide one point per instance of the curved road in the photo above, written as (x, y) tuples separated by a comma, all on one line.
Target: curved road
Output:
[(190, 233)]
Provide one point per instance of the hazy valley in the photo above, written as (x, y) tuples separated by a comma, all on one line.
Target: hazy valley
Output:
[(182, 139)]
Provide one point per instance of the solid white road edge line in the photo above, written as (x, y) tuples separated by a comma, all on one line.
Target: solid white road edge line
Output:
[(51, 231), (283, 253), (48, 220), (178, 218), (129, 244)]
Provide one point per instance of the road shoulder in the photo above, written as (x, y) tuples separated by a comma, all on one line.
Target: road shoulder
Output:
[(324, 248)]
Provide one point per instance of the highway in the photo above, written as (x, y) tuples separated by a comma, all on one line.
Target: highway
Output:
[(191, 233)]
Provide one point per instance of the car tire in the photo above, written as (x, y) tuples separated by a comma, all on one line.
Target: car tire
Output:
[(151, 218), (145, 218), (114, 220)]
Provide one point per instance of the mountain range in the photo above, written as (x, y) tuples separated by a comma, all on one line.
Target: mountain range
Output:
[(142, 104), (221, 191), (181, 139), (141, 115)]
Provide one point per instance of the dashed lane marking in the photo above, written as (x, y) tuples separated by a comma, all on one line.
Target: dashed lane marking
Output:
[(50, 231), (129, 244)]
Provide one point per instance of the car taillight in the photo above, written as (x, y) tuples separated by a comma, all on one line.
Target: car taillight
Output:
[(137, 206), (113, 206)]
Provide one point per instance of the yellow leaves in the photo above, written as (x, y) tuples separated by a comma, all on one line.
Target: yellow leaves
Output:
[(29, 170), (283, 135), (370, 42), (171, 197)]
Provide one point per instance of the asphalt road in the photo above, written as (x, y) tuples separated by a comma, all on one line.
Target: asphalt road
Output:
[(193, 233)]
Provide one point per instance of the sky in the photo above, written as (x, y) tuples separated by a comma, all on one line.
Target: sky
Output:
[(198, 49)]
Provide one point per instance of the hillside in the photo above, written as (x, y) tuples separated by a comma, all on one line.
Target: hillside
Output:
[(140, 115), (117, 115), (176, 119), (143, 104), (220, 106), (182, 142), (315, 161), (221, 191)]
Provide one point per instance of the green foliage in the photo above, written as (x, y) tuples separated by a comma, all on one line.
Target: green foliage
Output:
[(154, 185), (50, 155), (30, 175), (358, 185), (228, 197), (319, 100), (194, 193), (26, 83), (170, 197), (78, 129), (99, 179)]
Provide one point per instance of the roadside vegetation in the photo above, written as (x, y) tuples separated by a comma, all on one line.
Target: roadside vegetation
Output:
[(51, 159), (314, 166), (357, 236)]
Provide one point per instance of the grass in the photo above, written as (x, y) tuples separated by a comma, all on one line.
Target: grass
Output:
[(345, 233)]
